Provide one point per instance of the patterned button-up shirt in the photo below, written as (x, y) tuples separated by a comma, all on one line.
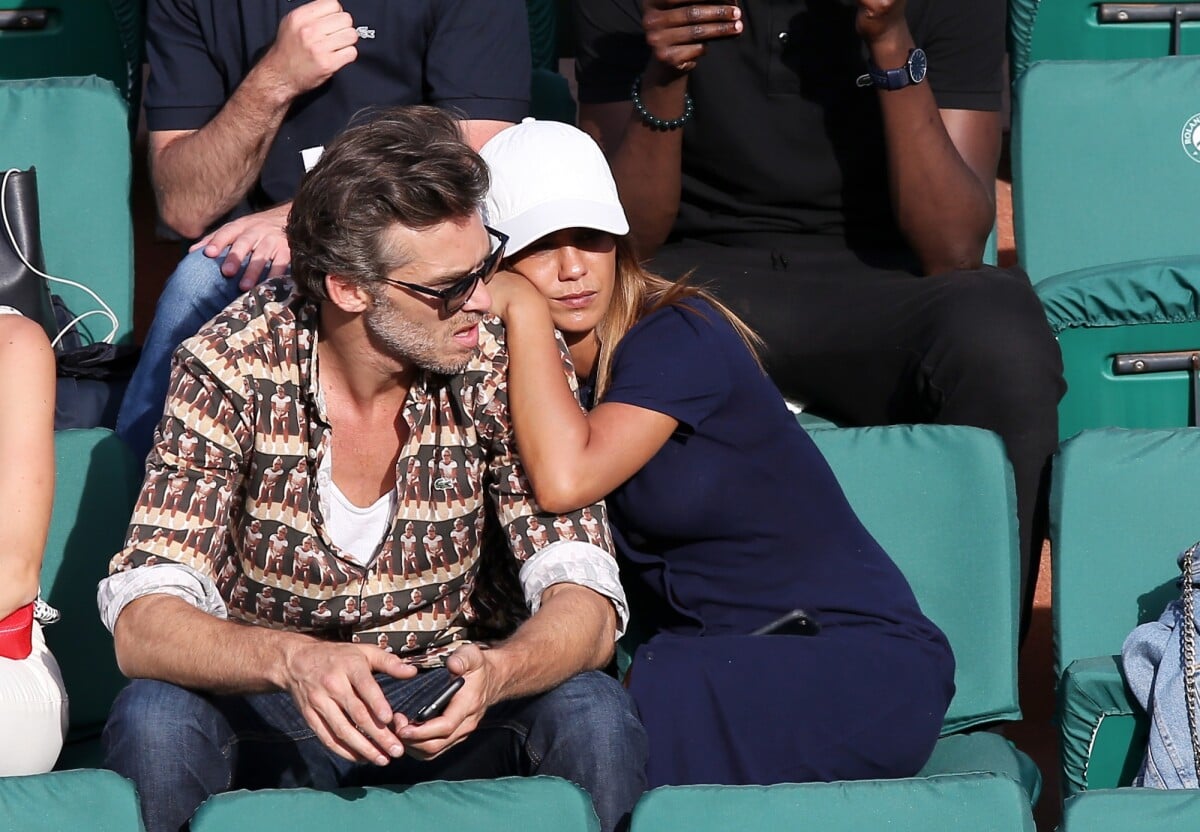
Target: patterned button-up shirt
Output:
[(230, 507)]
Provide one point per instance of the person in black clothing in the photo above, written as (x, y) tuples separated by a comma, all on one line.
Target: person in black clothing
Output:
[(828, 168)]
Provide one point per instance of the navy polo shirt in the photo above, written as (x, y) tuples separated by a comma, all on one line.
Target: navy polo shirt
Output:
[(471, 56), (783, 143)]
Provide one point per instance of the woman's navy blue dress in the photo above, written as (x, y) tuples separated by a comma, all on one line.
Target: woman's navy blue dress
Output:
[(736, 521)]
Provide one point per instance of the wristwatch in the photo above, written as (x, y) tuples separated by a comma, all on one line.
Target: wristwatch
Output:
[(913, 72)]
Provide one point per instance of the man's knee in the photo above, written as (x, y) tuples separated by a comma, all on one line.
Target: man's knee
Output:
[(989, 325), (197, 284), (154, 723), (592, 712)]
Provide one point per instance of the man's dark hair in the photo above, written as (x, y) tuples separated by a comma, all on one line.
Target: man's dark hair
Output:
[(407, 166)]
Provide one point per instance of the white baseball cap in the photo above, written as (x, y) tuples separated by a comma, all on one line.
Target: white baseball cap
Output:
[(547, 176)]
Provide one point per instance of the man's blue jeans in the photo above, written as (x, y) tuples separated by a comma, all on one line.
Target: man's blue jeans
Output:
[(194, 294), (179, 747)]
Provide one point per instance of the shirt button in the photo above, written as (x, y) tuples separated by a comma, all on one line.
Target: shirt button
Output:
[(312, 453), (783, 38)]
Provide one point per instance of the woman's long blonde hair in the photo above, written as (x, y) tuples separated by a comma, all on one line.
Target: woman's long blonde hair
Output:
[(637, 293)]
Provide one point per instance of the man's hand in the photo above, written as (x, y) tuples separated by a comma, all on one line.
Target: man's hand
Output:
[(259, 237), (879, 20), (677, 30), (481, 690), (335, 690), (313, 42)]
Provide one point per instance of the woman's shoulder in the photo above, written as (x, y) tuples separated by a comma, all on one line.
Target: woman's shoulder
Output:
[(691, 318)]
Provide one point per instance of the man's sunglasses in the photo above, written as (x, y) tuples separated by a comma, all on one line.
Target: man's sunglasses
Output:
[(453, 297)]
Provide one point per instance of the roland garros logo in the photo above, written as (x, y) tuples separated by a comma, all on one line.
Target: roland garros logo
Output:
[(1191, 138)]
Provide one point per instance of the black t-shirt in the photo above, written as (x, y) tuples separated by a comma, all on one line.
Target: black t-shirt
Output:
[(783, 143), (471, 56)]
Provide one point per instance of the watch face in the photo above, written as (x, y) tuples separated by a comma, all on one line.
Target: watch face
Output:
[(918, 65)]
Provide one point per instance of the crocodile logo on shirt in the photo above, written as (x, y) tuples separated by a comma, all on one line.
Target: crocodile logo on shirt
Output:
[(364, 32)]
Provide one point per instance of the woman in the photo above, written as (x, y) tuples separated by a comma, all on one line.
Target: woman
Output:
[(33, 701), (725, 515)]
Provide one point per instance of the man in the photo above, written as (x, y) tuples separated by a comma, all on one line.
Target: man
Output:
[(240, 102), (794, 153), (390, 261)]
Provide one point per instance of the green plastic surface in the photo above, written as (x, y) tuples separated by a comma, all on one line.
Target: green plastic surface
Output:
[(940, 501), (1071, 30), (975, 802), (1122, 507), (96, 483), (529, 804), (1103, 730), (1132, 810), (96, 801), (82, 37), (1101, 171), (73, 131), (976, 751)]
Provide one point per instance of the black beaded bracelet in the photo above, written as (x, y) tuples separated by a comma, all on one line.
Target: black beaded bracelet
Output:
[(654, 122)]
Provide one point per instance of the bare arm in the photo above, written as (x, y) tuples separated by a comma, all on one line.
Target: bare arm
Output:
[(165, 638), (646, 162), (570, 633), (27, 447), (572, 458), (199, 175), (941, 163)]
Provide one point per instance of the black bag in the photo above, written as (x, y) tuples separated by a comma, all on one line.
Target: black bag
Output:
[(21, 287)]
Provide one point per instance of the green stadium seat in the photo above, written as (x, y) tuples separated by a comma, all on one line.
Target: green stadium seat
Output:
[(950, 803), (98, 801), (96, 482), (1102, 167), (55, 38), (1131, 810), (550, 98), (1106, 163), (530, 804), (1072, 30), (1122, 508), (73, 131)]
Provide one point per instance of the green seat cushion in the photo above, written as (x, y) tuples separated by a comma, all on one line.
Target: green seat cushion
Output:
[(939, 499), (1081, 128), (1103, 728), (98, 801), (531, 804), (1145, 306), (1132, 810), (73, 130), (95, 487), (1122, 507), (976, 802), (988, 752)]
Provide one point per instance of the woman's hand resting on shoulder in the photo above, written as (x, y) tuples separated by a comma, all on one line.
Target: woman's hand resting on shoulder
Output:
[(510, 291)]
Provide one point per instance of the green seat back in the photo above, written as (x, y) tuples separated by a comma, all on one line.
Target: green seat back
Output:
[(1122, 507), (1064, 30), (73, 131), (1106, 165), (98, 801), (530, 804), (940, 501), (96, 482), (81, 37), (1132, 810), (1097, 314), (953, 803)]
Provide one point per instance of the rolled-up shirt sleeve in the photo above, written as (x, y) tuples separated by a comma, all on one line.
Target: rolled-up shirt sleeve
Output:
[(574, 562), (117, 591)]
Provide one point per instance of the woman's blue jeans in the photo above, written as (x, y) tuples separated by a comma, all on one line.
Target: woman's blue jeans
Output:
[(179, 747), (193, 295)]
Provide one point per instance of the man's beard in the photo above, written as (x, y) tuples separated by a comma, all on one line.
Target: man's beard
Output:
[(406, 342)]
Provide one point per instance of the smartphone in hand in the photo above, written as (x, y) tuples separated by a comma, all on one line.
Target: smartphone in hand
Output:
[(432, 702), (795, 623)]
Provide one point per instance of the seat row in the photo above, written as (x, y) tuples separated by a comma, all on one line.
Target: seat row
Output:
[(938, 498)]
